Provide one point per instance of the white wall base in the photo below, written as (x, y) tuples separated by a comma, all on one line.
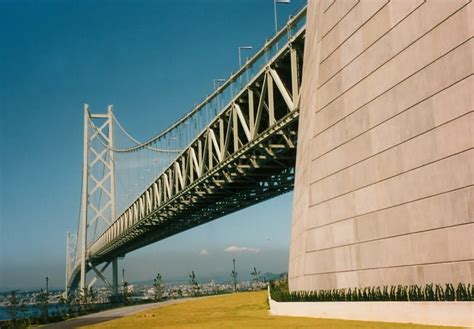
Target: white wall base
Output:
[(434, 313)]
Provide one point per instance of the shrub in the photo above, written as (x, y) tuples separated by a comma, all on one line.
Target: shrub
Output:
[(430, 292)]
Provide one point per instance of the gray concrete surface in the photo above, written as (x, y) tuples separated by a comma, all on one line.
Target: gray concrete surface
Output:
[(110, 314)]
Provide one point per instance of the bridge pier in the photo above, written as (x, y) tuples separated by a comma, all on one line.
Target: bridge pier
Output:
[(115, 289)]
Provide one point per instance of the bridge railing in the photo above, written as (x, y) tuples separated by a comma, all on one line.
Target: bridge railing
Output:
[(191, 124), (182, 133), (212, 105)]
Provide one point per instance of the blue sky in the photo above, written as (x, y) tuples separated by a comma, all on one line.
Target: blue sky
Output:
[(154, 60)]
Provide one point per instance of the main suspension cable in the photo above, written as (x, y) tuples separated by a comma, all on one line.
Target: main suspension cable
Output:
[(129, 149)]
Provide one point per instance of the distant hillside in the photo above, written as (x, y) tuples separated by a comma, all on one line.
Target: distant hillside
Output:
[(218, 278), (273, 276)]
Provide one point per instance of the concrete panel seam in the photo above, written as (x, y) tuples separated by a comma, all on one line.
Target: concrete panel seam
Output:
[(395, 85), (399, 174), (398, 53), (387, 267), (386, 237), (388, 119), (396, 205), (388, 149), (354, 32), (369, 46), (329, 31), (329, 7)]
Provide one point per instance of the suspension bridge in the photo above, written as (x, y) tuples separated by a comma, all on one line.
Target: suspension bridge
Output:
[(235, 149)]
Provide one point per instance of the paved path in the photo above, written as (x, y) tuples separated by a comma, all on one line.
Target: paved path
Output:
[(110, 314)]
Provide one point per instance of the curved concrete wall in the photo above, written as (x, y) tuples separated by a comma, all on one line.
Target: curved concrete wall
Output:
[(385, 168)]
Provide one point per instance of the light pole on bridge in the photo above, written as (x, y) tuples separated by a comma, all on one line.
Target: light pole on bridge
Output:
[(218, 83), (275, 11), (240, 53), (234, 275)]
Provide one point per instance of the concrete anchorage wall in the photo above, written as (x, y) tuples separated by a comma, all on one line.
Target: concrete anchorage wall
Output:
[(385, 169)]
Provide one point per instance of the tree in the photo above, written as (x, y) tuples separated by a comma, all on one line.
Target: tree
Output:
[(72, 304), (84, 300), (194, 284), (256, 275), (84, 296), (125, 292), (158, 285), (12, 307), (233, 274), (24, 313), (63, 307), (42, 305), (93, 296)]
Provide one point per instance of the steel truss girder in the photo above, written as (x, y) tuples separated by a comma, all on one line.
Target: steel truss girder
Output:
[(245, 155)]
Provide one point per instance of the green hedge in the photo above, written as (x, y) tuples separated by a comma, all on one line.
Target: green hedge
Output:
[(429, 292)]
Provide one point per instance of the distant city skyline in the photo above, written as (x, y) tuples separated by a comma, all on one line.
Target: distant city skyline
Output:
[(153, 61)]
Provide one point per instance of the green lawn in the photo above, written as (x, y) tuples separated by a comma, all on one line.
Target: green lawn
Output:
[(241, 310)]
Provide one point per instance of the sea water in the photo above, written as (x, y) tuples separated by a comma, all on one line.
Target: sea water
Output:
[(31, 310)]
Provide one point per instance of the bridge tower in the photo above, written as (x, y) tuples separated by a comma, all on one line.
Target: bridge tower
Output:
[(98, 188)]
